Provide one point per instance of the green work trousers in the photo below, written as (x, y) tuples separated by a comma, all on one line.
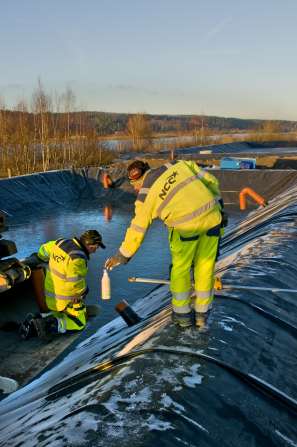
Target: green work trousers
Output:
[(197, 252), (72, 318)]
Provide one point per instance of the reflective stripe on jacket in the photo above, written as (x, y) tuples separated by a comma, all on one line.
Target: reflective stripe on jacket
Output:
[(182, 195), (66, 274)]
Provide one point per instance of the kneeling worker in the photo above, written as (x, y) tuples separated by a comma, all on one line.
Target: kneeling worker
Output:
[(65, 283), (187, 199)]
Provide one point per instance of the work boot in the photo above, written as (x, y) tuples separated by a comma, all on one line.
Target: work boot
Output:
[(27, 329), (201, 321), (183, 320), (46, 327)]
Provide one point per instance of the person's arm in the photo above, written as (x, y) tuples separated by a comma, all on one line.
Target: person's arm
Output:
[(137, 230), (45, 251), (134, 235)]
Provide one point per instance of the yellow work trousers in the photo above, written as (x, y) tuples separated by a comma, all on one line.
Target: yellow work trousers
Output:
[(198, 252), (72, 318)]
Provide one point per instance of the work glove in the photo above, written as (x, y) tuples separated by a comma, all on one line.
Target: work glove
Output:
[(115, 260)]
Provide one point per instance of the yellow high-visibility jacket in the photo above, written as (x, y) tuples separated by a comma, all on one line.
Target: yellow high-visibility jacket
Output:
[(182, 195), (65, 279)]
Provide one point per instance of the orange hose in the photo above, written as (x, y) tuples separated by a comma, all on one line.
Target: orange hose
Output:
[(249, 191)]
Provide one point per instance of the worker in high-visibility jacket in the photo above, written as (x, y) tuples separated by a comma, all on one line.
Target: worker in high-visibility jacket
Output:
[(187, 199), (65, 284)]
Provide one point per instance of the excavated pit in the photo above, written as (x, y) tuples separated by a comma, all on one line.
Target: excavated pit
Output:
[(233, 385)]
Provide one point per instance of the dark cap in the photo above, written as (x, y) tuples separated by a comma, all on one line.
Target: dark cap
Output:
[(92, 237), (137, 169)]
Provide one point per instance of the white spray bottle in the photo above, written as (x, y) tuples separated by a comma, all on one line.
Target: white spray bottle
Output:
[(105, 286)]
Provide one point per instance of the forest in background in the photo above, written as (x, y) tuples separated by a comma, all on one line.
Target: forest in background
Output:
[(48, 132)]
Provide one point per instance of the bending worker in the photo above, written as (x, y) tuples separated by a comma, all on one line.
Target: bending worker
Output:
[(65, 283), (187, 199)]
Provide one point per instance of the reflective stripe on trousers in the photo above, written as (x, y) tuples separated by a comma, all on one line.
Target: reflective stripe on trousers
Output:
[(199, 251), (203, 300), (181, 302)]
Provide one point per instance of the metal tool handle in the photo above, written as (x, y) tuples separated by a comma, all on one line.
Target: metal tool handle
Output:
[(148, 280), (224, 286)]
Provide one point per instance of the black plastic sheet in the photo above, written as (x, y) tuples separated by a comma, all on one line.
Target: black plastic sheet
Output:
[(152, 384)]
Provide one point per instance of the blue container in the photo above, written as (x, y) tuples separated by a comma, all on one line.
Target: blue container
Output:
[(238, 163)]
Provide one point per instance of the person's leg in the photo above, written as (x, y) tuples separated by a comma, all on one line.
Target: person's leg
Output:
[(204, 265), (46, 327), (72, 318), (75, 316), (182, 253)]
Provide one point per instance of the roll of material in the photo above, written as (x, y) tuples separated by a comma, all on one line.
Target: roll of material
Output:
[(127, 313)]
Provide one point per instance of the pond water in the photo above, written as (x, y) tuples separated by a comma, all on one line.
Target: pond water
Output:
[(124, 145), (152, 260)]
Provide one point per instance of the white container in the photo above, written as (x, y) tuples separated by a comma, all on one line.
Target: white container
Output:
[(105, 286)]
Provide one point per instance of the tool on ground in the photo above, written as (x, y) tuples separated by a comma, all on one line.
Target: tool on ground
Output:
[(217, 285), (127, 313), (105, 286), (148, 280)]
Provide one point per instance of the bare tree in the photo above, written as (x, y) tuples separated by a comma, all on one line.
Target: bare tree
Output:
[(51, 136), (68, 103), (3, 134), (139, 130), (195, 125), (41, 105), (271, 127), (68, 99), (24, 152)]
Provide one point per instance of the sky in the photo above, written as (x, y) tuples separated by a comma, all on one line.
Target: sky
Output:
[(233, 58)]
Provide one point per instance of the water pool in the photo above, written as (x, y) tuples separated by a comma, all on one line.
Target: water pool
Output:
[(152, 259)]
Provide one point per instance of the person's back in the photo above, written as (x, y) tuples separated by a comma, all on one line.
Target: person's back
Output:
[(179, 193), (187, 199), (175, 194), (66, 274)]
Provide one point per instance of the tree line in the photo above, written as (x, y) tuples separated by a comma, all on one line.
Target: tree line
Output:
[(46, 134), (50, 133)]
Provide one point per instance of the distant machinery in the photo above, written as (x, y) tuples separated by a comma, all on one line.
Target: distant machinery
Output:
[(12, 271), (237, 163)]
